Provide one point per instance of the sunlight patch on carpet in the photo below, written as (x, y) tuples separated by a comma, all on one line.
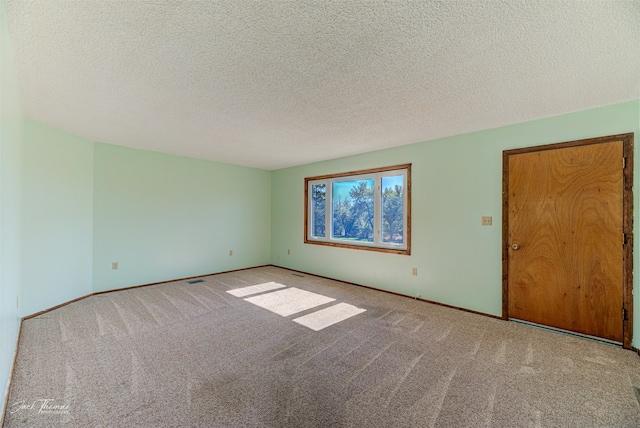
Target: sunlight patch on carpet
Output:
[(328, 316), (255, 289), (290, 301)]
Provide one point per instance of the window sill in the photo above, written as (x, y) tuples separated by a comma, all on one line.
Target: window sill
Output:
[(404, 252)]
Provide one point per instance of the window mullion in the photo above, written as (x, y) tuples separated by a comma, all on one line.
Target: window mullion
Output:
[(377, 209), (405, 206), (328, 216)]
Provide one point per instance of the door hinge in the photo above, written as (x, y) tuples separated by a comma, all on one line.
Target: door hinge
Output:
[(624, 162), (624, 314)]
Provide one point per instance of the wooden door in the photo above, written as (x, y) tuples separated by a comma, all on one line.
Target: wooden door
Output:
[(564, 237)]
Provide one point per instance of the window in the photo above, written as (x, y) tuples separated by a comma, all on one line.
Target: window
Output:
[(364, 209)]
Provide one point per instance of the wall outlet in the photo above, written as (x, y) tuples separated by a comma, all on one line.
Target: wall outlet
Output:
[(414, 271), (289, 252), (231, 252), (486, 220), (114, 266)]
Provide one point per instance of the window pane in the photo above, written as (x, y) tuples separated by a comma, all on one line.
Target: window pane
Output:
[(352, 210), (392, 210), (366, 209), (319, 203)]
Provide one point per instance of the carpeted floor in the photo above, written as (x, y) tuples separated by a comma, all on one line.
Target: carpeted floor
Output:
[(181, 354)]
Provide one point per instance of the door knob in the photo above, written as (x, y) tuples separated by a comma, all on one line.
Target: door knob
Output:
[(515, 246)]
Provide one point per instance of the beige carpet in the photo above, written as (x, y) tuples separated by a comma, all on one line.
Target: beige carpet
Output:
[(181, 354)]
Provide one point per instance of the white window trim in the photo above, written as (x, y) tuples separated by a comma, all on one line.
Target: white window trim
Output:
[(376, 175)]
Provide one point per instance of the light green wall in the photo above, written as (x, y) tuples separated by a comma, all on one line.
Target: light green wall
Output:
[(163, 217), (455, 181), (57, 217), (11, 118), (70, 207)]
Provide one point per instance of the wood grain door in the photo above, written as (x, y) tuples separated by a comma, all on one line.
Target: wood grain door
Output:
[(565, 242)]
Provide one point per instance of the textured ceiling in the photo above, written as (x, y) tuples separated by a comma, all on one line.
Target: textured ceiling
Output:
[(272, 84)]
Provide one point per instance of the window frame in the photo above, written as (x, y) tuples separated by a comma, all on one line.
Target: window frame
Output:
[(376, 174)]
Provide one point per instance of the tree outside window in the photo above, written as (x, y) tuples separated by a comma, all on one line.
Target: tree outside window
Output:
[(366, 209)]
